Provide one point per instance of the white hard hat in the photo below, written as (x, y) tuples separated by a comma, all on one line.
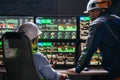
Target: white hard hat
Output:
[(30, 29), (97, 4)]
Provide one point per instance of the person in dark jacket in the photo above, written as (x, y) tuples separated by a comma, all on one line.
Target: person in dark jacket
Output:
[(104, 33)]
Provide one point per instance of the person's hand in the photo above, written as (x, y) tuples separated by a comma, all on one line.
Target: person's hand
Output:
[(71, 70), (63, 76)]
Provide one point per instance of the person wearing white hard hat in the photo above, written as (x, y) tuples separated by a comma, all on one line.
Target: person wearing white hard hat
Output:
[(42, 65), (104, 34)]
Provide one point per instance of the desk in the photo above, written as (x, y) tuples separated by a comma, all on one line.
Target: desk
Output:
[(91, 74)]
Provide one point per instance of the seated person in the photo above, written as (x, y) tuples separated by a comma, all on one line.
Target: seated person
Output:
[(42, 65)]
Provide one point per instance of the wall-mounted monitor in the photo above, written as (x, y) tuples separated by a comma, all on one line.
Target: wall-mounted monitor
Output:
[(57, 27), (11, 24), (84, 22), (58, 53), (58, 39)]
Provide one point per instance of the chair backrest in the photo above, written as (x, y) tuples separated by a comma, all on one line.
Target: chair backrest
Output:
[(17, 54)]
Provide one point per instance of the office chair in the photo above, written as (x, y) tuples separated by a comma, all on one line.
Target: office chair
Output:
[(17, 55)]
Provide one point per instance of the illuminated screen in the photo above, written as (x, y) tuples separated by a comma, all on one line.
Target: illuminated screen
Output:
[(58, 53), (84, 22), (47, 46), (96, 58), (53, 30), (0, 43), (56, 47), (66, 47), (57, 27), (11, 23)]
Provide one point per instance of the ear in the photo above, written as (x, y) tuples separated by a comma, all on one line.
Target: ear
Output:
[(97, 12), (34, 41)]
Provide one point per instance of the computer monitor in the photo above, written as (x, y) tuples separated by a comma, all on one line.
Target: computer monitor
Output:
[(84, 21), (11, 24), (57, 27), (58, 53)]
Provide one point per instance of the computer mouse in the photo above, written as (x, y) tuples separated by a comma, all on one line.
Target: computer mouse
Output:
[(86, 69)]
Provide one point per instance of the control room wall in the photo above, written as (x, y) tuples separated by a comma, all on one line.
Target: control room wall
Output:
[(42, 7), (48, 7)]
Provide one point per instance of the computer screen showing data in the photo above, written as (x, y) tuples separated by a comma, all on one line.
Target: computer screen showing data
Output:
[(57, 27), (11, 24), (58, 39), (84, 22)]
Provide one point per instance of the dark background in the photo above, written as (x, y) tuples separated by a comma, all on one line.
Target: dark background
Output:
[(48, 7)]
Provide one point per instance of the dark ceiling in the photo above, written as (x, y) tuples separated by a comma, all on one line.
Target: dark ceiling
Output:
[(48, 7)]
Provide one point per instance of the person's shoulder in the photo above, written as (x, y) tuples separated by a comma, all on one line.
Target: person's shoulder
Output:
[(38, 54), (112, 18), (97, 21)]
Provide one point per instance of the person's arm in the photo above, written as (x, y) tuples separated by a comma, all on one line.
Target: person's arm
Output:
[(44, 68), (96, 32)]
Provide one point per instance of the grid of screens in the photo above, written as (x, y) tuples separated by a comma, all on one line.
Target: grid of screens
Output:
[(11, 24), (57, 27), (53, 30)]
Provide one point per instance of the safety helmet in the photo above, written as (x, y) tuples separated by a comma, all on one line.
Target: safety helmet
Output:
[(97, 4), (30, 29)]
